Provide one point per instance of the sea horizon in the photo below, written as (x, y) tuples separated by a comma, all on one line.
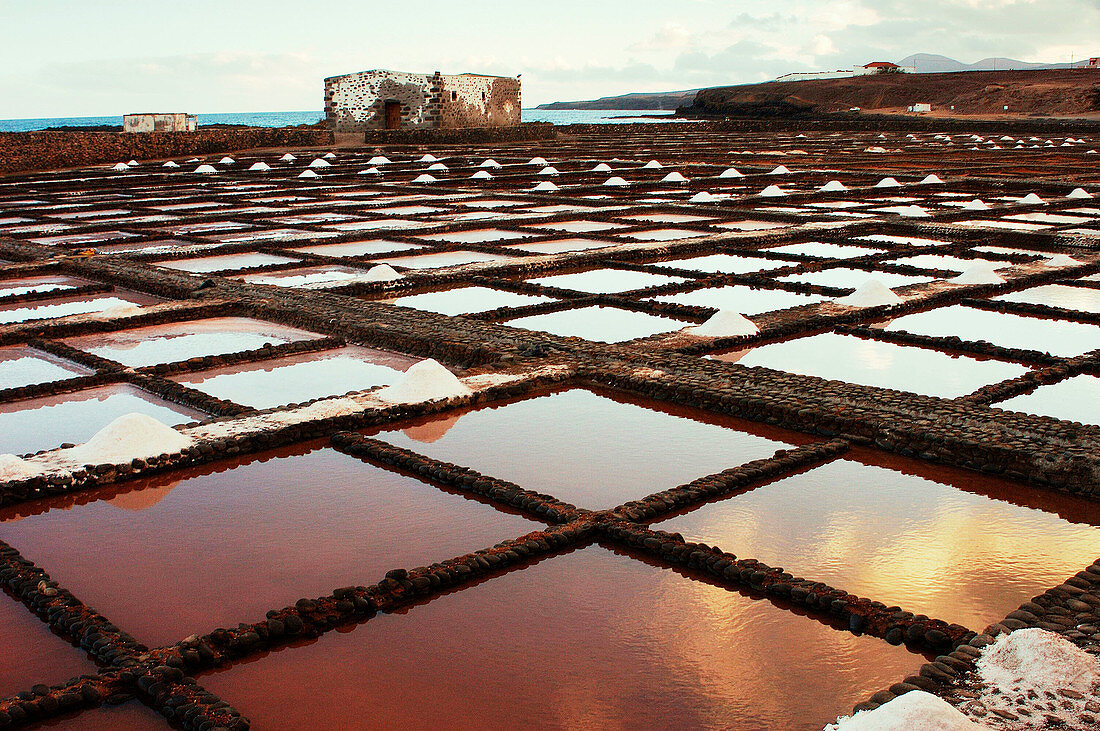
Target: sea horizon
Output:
[(293, 118)]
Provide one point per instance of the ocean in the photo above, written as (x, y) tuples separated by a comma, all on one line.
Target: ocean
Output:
[(283, 119)]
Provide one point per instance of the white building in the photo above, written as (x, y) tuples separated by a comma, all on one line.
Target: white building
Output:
[(875, 67), (171, 122)]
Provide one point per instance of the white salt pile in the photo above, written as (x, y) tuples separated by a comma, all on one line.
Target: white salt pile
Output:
[(490, 163), (976, 205), (833, 186), (308, 174), (428, 157), (370, 171), (916, 710), (206, 169), (425, 178), (170, 164), (288, 158), (652, 165), (1061, 260), (674, 177), (981, 272), (226, 161), (772, 191), (424, 381), (121, 168), (1034, 659), (871, 293), (194, 159), (133, 163), (330, 156), (548, 170), (1079, 193), (131, 436), (538, 161), (546, 186), (379, 160), (780, 170), (481, 175), (319, 163), (881, 136), (603, 167), (438, 166), (913, 211), (888, 183), (381, 273), (725, 323), (932, 179), (1032, 199), (731, 173), (875, 149), (616, 181), (15, 468), (703, 197), (261, 166)]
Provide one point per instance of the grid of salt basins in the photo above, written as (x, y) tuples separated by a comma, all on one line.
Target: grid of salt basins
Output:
[(778, 423)]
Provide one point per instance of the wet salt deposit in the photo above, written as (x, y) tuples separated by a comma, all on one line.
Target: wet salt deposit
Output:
[(599, 323)]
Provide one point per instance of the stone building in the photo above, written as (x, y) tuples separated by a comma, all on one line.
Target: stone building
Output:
[(171, 122), (383, 99)]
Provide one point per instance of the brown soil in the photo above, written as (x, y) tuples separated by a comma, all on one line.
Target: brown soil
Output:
[(1071, 93)]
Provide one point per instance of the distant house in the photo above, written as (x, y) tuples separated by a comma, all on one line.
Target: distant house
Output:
[(1093, 63), (170, 122), (875, 67), (382, 99), (920, 108)]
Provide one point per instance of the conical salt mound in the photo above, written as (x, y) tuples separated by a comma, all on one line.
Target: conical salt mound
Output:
[(370, 171), (976, 205), (652, 165), (489, 163), (437, 166), (288, 158), (1034, 659), (780, 170), (674, 177), (932, 179), (319, 163), (981, 272), (260, 166), (481, 175), (428, 157), (538, 161), (888, 183), (703, 197), (226, 161), (772, 191), (1061, 260), (131, 436), (602, 167), (833, 186), (308, 174), (170, 164), (546, 186), (425, 381), (206, 169), (871, 293), (425, 178), (916, 710), (731, 173), (1079, 193), (379, 160), (1032, 199), (725, 323), (616, 181), (121, 167), (382, 273), (913, 211), (548, 170)]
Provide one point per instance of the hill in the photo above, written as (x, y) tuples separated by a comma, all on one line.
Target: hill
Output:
[(1060, 93), (932, 63), (667, 100)]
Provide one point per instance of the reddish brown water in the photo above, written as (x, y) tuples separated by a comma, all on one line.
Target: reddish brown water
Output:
[(442, 259), (522, 651), (886, 365), (47, 422), (742, 299), (1074, 399), (1057, 337), (599, 323), (301, 377), (213, 546), (176, 341), (606, 281), (79, 305), (466, 300), (132, 716), (30, 653), (23, 366), (27, 285), (317, 277), (226, 262), (948, 543), (592, 450)]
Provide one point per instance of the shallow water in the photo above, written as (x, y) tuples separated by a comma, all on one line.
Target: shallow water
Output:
[(226, 262), (467, 300), (843, 278), (24, 366), (442, 259), (28, 285), (30, 653), (599, 323), (1074, 399), (478, 236), (561, 245), (1057, 337), (212, 546), (47, 422), (577, 227), (357, 248), (723, 264), (885, 365), (1081, 299), (592, 450), (948, 543), (176, 341), (825, 250), (738, 298), (315, 277), (300, 378), (670, 653), (606, 281), (65, 306), (664, 234), (951, 263)]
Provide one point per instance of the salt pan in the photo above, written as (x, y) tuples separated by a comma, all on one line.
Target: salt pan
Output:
[(725, 323), (871, 293), (424, 381)]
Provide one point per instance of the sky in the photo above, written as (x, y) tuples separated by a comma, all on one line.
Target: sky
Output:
[(108, 57)]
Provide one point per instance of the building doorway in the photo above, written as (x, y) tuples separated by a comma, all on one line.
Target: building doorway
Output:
[(393, 114)]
